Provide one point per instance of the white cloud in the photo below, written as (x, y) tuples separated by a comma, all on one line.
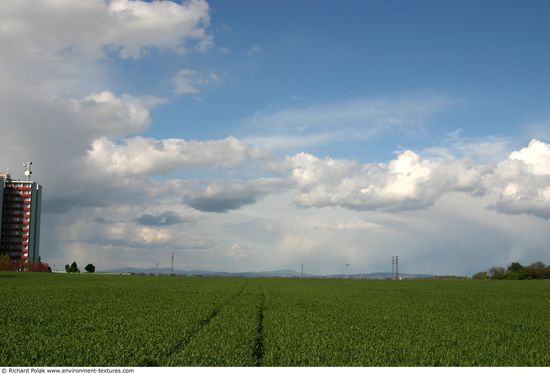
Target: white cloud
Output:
[(523, 181), (352, 119), (56, 132), (488, 149), (535, 157), (146, 156), (129, 28), (349, 226), (187, 81), (112, 115), (285, 142), (407, 182)]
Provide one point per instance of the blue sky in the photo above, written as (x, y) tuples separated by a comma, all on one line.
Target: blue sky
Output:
[(322, 125), (488, 60)]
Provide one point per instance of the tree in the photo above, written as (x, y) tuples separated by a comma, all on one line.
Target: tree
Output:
[(539, 270), (90, 268), (481, 275), (496, 272), (74, 268), (515, 266), (516, 271)]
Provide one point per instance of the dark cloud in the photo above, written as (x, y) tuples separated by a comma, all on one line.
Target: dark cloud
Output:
[(166, 218), (220, 203), (220, 198)]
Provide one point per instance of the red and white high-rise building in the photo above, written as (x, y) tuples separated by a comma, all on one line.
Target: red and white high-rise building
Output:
[(20, 207)]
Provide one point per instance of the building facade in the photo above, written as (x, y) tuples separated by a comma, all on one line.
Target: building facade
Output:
[(20, 204)]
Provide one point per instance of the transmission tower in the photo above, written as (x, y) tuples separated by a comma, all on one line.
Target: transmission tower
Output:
[(172, 265), (396, 267)]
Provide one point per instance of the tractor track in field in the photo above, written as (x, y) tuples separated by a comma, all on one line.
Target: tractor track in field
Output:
[(184, 341), (259, 344)]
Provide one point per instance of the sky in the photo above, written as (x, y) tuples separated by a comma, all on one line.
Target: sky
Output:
[(255, 135)]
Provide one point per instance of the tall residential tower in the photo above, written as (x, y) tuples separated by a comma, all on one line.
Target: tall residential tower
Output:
[(20, 205)]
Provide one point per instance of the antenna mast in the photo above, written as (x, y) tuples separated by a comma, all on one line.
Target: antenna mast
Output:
[(28, 171), (302, 271)]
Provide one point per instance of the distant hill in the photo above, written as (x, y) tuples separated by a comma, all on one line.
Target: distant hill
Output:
[(284, 273)]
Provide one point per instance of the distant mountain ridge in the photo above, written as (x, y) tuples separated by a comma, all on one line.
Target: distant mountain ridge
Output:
[(283, 273)]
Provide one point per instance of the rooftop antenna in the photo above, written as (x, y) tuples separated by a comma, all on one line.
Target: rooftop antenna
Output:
[(28, 171)]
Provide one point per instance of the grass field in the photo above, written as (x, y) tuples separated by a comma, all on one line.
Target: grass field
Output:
[(109, 320)]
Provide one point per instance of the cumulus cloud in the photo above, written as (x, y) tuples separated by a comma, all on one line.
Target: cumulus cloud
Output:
[(407, 182), (127, 28), (146, 156), (56, 132), (187, 81), (522, 181)]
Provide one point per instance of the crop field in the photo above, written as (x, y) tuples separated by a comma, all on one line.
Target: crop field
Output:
[(111, 320)]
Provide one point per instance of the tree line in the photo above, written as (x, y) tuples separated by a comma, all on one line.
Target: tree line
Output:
[(537, 270)]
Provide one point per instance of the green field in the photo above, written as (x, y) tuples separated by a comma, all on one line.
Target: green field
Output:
[(109, 320)]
